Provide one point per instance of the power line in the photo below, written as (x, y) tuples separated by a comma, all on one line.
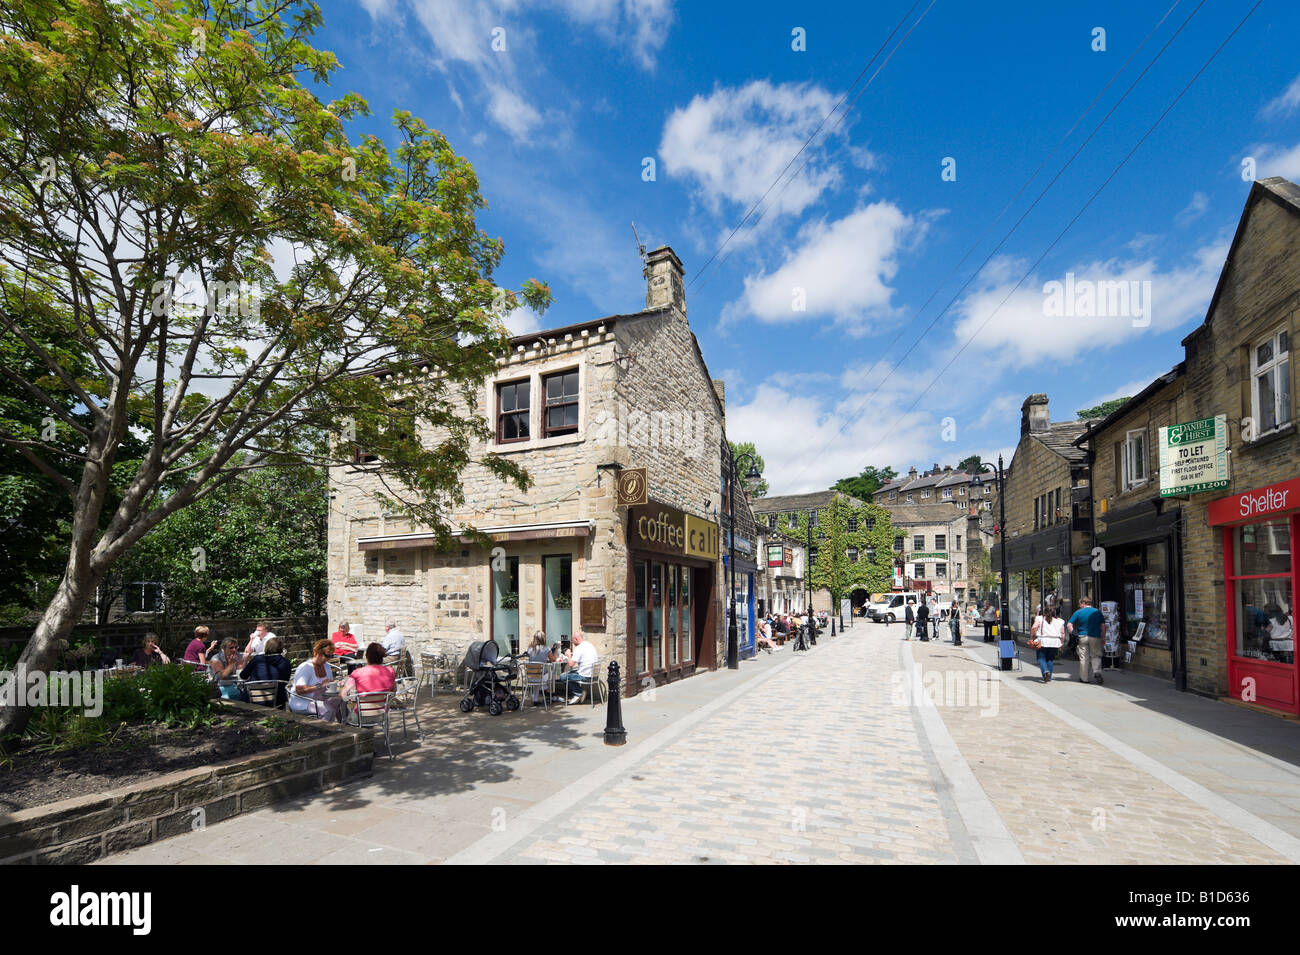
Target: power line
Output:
[(811, 137), (1007, 235), (1075, 218)]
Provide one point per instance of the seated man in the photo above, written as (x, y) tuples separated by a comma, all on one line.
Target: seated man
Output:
[(270, 665), (345, 643), (582, 661)]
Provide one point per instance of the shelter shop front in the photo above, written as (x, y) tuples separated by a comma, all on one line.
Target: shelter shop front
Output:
[(1260, 576), (672, 593)]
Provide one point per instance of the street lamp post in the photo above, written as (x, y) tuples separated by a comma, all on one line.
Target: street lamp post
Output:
[(733, 637), (808, 562), (1002, 540)]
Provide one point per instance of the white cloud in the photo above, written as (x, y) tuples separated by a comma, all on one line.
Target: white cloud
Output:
[(511, 112), (1022, 328), (732, 145), (841, 270), (1284, 103), (1194, 209), (523, 321)]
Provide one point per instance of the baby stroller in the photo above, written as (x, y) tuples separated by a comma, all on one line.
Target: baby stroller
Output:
[(490, 680)]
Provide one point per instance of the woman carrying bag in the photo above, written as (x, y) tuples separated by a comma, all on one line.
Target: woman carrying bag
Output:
[(1046, 637), (954, 624)]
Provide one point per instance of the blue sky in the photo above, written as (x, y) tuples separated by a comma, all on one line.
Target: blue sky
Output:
[(559, 125)]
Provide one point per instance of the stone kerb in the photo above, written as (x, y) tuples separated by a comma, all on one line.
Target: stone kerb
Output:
[(86, 828)]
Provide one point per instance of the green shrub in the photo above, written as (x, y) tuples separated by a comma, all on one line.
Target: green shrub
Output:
[(172, 695)]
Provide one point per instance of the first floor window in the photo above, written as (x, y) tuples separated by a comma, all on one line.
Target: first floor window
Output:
[(1135, 458), (853, 555), (512, 411), (1270, 374), (940, 541), (560, 411), (918, 542)]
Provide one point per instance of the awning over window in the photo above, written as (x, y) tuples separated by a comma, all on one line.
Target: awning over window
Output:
[(502, 535)]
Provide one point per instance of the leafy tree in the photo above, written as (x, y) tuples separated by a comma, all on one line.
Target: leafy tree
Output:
[(756, 488), (1102, 410), (866, 484), (344, 294), (866, 528), (971, 464)]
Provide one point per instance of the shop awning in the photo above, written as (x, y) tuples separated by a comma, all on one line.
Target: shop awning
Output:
[(504, 535)]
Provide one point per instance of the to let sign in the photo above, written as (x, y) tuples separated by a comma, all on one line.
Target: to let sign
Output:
[(1194, 456)]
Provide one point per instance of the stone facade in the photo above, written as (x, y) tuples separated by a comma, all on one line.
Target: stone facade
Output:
[(645, 399)]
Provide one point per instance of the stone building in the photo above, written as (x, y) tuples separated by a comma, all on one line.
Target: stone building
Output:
[(575, 406), (941, 487), (1048, 532), (782, 587), (936, 550)]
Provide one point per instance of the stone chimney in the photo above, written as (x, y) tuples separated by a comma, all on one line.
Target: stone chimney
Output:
[(947, 468), (1034, 416), (664, 285), (720, 389), (911, 474)]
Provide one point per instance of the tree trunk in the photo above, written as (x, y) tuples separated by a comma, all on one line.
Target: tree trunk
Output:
[(49, 639)]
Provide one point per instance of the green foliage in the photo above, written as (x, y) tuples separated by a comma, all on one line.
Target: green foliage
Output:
[(1102, 410), (757, 488), (171, 695), (970, 464), (873, 539), (281, 730), (866, 484), (61, 730)]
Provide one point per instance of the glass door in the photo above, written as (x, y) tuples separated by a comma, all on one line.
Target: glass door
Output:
[(674, 573)]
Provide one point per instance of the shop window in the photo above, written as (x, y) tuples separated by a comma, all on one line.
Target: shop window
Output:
[(1264, 609), (1135, 458), (1270, 374), (670, 637), (1144, 575), (641, 575), (688, 609), (560, 408), (512, 412), (941, 571)]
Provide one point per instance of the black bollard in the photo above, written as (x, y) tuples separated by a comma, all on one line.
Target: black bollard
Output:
[(615, 735), (833, 626)]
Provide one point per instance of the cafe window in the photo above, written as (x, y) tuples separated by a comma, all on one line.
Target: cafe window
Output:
[(512, 412), (560, 410), (505, 604), (1135, 458), (1270, 375), (663, 609), (1262, 583), (557, 585)]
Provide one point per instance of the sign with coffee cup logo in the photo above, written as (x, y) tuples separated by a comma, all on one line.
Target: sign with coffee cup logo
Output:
[(633, 487), (666, 530)]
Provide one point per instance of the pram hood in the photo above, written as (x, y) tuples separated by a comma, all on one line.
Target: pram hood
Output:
[(483, 655)]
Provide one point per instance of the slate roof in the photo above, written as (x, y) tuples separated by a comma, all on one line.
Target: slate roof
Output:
[(1060, 437), (799, 502)]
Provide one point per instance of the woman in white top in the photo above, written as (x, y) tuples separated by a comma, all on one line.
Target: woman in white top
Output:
[(310, 682), (1049, 629)]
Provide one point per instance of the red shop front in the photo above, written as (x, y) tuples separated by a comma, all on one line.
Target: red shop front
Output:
[(1261, 572)]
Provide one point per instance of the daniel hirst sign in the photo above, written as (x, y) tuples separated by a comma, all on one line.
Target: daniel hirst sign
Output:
[(1194, 456)]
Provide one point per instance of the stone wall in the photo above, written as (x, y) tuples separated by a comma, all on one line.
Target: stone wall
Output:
[(81, 830)]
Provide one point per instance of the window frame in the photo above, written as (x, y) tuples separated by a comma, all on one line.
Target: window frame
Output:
[(1280, 359), (526, 412), (1131, 481), (545, 431)]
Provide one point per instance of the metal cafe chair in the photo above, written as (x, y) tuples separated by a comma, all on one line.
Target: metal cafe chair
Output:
[(371, 709), (540, 677), (592, 683), (264, 692), (404, 700)]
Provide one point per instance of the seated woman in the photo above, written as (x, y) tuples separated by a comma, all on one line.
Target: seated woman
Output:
[(196, 652), (764, 637), (149, 655), (311, 680), (374, 677), (539, 652), (270, 665), (225, 669)]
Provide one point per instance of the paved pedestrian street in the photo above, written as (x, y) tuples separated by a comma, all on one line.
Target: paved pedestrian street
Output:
[(865, 749)]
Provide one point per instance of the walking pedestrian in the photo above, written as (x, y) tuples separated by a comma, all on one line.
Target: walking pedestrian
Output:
[(923, 621), (954, 624), (909, 620), (1086, 624), (1046, 637)]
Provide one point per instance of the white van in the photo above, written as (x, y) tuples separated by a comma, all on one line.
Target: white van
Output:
[(892, 608)]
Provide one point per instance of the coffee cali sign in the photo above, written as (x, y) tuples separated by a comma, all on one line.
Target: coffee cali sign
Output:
[(1194, 456), (666, 530)]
